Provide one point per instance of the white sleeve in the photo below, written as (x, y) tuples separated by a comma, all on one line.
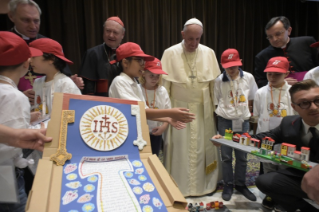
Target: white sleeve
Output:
[(122, 90), (217, 93), (308, 76), (167, 99), (257, 105), (252, 88), (68, 86)]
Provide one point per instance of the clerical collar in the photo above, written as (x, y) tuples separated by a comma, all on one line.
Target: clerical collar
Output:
[(225, 78), (306, 127), (283, 47), (22, 35)]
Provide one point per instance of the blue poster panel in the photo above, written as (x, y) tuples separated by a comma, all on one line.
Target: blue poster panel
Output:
[(105, 172)]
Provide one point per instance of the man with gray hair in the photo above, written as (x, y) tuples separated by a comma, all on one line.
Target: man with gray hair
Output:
[(189, 156), (96, 70), (25, 14)]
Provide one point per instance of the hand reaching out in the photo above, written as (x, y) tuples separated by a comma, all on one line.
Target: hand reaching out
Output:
[(217, 137), (177, 124), (182, 115)]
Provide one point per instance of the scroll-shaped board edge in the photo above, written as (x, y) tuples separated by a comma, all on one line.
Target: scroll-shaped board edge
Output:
[(45, 195)]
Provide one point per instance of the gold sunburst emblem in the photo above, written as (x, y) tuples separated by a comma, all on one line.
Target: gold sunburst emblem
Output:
[(103, 128)]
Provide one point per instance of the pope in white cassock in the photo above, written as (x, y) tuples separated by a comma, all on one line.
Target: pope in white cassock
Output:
[(189, 155)]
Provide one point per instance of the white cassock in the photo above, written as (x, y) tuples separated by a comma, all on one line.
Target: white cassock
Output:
[(189, 156)]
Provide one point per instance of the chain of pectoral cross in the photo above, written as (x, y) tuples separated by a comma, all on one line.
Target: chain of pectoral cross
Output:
[(192, 76)]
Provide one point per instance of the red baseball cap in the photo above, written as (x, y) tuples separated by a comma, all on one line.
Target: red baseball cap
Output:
[(14, 50), (116, 19), (154, 66), (49, 46), (315, 45), (277, 64), (130, 49), (230, 58)]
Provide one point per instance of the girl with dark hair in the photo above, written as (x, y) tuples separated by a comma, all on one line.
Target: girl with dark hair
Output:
[(131, 60)]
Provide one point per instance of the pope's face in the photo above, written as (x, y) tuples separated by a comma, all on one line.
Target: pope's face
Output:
[(26, 19), (277, 35), (192, 35), (113, 34)]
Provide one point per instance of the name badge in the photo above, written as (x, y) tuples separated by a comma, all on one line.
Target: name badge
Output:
[(237, 125), (274, 122)]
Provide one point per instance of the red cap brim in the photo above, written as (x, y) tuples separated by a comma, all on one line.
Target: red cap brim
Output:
[(146, 57), (232, 63), (157, 71), (64, 59), (315, 45), (274, 69), (112, 61), (35, 52)]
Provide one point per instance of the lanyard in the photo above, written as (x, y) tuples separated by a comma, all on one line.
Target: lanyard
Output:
[(147, 103), (272, 105), (235, 96), (8, 80), (44, 97)]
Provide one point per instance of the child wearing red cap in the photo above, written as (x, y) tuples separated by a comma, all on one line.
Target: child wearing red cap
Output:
[(156, 97), (272, 102), (51, 63), (234, 92), (14, 112), (131, 60)]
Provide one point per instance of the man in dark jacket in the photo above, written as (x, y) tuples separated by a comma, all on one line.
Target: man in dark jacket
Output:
[(96, 70), (297, 50)]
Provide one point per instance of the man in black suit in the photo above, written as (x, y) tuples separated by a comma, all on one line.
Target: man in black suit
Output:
[(284, 185), (297, 50)]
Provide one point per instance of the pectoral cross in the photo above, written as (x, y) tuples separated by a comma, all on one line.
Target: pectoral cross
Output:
[(192, 77), (30, 77)]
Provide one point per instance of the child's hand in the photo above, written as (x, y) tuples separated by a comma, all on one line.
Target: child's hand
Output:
[(216, 137), (177, 124), (182, 114), (158, 130), (35, 116)]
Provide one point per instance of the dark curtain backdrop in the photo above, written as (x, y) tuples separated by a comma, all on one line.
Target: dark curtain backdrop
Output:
[(156, 24)]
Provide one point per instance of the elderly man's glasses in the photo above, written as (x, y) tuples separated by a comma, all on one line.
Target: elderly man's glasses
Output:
[(307, 104), (277, 34), (140, 61)]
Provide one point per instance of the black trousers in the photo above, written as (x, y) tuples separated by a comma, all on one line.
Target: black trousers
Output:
[(284, 187), (156, 142)]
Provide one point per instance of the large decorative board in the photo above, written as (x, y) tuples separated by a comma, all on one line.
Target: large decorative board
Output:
[(108, 170)]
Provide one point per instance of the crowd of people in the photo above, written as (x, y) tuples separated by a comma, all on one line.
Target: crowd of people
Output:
[(185, 96)]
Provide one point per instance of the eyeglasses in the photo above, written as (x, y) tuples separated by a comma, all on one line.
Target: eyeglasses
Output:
[(307, 104), (277, 34), (141, 61)]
